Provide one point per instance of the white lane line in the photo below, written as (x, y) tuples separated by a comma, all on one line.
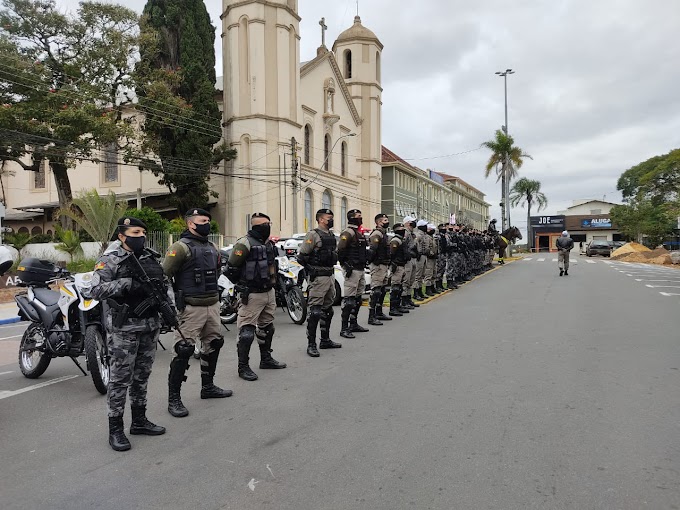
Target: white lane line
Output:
[(541, 260), (10, 337), (554, 260), (5, 373), (591, 262), (668, 294), (608, 262), (528, 258), (7, 394), (663, 286), (667, 281)]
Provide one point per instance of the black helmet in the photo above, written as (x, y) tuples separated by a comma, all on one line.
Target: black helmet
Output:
[(494, 220)]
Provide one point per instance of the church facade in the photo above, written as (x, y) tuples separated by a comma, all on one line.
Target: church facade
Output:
[(307, 134)]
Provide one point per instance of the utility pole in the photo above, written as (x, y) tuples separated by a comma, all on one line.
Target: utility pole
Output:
[(506, 164), (294, 166)]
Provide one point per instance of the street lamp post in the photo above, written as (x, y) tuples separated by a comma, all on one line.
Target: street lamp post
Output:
[(506, 174)]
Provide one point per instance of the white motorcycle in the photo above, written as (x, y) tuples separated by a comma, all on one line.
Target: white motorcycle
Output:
[(63, 323)]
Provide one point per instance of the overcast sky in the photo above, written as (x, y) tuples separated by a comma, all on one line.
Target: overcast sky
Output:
[(595, 90)]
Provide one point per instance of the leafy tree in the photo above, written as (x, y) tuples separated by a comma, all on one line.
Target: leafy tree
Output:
[(505, 159), (19, 240), (528, 191), (643, 221), (63, 83), (154, 221), (97, 215), (177, 70), (658, 179), (70, 243)]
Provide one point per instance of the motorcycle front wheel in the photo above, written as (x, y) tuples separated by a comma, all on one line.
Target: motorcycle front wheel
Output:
[(32, 361), (228, 313), (97, 354), (297, 305)]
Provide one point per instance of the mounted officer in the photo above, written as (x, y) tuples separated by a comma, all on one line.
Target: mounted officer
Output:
[(379, 258), (352, 256), (492, 227), (252, 268), (318, 254), (132, 331), (193, 263)]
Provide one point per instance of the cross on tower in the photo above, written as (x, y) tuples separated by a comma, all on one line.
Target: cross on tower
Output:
[(323, 31)]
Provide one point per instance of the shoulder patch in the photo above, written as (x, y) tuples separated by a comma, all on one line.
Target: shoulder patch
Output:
[(308, 241), (238, 253), (100, 265), (172, 253), (343, 237)]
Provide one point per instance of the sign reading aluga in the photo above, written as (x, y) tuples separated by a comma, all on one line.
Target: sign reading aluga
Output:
[(597, 223)]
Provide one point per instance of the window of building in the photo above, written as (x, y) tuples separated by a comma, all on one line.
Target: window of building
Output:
[(327, 151), (343, 159), (39, 176), (348, 64), (246, 159), (343, 212), (309, 206), (36, 231), (111, 163), (327, 200), (308, 143), (377, 66)]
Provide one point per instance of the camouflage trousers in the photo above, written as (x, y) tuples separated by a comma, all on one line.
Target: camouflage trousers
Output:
[(441, 267), (452, 267), (132, 354)]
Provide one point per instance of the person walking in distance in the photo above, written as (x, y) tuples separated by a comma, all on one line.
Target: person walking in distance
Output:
[(564, 245), (318, 254), (252, 268), (379, 258), (193, 263), (352, 256), (131, 333)]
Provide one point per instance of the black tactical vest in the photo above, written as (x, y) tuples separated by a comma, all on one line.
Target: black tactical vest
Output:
[(256, 274), (326, 256), (400, 257), (382, 253), (356, 251), (154, 271), (198, 275)]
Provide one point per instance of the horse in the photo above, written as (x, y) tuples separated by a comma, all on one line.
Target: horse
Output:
[(504, 239)]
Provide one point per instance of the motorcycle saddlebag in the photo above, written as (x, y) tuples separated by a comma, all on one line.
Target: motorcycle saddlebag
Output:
[(36, 272)]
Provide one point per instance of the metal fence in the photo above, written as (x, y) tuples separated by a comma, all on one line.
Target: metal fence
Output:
[(161, 241)]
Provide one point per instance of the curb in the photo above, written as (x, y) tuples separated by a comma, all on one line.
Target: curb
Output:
[(11, 320)]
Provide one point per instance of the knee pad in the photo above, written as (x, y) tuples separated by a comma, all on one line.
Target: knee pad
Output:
[(217, 343), (316, 312), (348, 302), (184, 349), (246, 334), (328, 313)]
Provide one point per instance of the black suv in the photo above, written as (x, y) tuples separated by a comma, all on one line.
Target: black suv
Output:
[(603, 248)]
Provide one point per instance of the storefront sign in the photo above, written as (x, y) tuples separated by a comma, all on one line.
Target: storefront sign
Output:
[(547, 222), (596, 223)]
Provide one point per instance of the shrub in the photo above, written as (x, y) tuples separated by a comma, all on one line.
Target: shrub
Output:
[(154, 221), (81, 266), (41, 238)]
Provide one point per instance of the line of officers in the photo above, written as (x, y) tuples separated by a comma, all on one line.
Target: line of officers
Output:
[(417, 256)]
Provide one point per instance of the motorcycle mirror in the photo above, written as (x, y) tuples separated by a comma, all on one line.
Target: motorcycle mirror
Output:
[(5, 266)]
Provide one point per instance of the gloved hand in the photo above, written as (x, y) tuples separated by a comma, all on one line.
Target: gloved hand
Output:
[(138, 288), (348, 271)]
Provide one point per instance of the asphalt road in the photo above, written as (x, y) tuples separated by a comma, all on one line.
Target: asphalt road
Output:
[(520, 390)]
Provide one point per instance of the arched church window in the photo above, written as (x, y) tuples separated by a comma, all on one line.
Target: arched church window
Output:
[(308, 143), (348, 64), (327, 200), (343, 212), (377, 66), (343, 159), (327, 151), (309, 202)]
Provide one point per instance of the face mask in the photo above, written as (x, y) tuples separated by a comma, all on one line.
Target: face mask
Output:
[(413, 224), (136, 244), (400, 232), (202, 230), (356, 221), (263, 231), (331, 223), (442, 231), (386, 224), (422, 229)]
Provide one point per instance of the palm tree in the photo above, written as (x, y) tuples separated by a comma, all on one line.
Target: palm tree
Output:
[(70, 243), (506, 159), (97, 215), (528, 191)]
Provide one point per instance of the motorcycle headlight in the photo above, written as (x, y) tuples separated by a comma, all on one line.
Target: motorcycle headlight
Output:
[(284, 265)]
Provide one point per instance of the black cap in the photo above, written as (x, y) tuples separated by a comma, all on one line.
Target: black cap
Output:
[(324, 211), (398, 226), (260, 215), (126, 222), (441, 225), (197, 211), (380, 216), (350, 214)]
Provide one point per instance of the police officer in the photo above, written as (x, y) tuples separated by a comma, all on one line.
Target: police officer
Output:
[(398, 259), (352, 256), (379, 258), (430, 261), (442, 246), (132, 332), (252, 268), (410, 267), (451, 257), (492, 227), (318, 254), (193, 263), (423, 247)]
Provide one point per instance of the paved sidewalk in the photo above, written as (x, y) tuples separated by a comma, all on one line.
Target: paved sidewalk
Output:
[(9, 313)]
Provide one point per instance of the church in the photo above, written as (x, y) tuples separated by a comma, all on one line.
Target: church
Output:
[(307, 134)]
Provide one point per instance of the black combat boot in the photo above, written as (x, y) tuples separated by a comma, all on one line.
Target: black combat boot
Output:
[(561, 272), (117, 438), (266, 359), (428, 291), (379, 306), (394, 303), (566, 273), (409, 300), (246, 336), (417, 295), (347, 309), (326, 342), (402, 305), (372, 321), (175, 379), (312, 322), (354, 317), (141, 425), (208, 367)]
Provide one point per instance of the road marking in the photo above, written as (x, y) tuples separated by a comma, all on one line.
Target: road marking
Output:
[(591, 262), (663, 286), (10, 337), (668, 294), (608, 262), (5, 373), (667, 281), (541, 260), (7, 394), (554, 260), (528, 258)]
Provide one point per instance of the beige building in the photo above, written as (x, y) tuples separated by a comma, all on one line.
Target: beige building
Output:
[(330, 106)]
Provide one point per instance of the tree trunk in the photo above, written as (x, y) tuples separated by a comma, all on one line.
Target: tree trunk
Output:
[(64, 193), (530, 238), (503, 198)]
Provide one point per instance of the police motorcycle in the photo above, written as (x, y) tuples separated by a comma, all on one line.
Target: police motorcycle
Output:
[(289, 278), (228, 298), (63, 323)]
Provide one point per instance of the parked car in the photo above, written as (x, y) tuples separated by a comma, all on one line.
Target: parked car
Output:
[(603, 248), (617, 244)]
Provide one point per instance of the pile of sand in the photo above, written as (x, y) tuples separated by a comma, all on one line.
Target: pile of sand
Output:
[(629, 248), (634, 252)]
